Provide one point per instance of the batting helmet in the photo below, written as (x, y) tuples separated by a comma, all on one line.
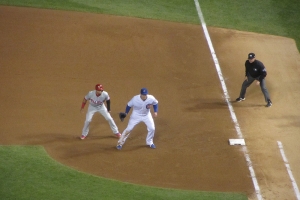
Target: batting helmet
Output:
[(99, 87)]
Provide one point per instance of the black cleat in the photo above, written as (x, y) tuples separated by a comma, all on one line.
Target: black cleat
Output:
[(269, 104), (240, 99)]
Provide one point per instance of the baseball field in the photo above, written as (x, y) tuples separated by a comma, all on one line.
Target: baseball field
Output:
[(54, 52)]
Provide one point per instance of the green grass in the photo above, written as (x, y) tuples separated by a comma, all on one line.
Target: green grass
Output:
[(29, 173), (276, 17), (171, 10)]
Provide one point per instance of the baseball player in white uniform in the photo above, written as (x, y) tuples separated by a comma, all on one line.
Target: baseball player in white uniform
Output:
[(96, 100), (141, 105)]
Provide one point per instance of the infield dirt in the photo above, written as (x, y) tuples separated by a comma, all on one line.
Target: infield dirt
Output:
[(51, 59)]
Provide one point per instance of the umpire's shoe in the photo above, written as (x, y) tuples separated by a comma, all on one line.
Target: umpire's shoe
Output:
[(240, 99), (269, 104)]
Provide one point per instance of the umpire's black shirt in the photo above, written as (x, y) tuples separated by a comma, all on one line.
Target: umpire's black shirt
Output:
[(255, 69)]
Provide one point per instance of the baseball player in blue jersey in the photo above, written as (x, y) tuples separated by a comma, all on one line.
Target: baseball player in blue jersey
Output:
[(141, 105), (96, 100)]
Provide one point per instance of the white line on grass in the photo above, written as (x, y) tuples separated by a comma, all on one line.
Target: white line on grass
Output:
[(227, 99), (289, 170)]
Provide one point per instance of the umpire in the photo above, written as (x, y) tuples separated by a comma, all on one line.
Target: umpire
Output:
[(254, 70)]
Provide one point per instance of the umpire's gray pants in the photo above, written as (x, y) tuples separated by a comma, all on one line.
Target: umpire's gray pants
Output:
[(248, 82)]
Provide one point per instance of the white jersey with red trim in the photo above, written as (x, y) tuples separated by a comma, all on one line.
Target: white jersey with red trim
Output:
[(97, 101)]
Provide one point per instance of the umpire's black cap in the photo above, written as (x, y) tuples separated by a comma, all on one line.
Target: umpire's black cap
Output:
[(251, 55)]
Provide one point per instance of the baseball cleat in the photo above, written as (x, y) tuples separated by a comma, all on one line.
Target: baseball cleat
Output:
[(240, 99), (152, 146), (118, 135), (269, 104), (119, 147), (82, 137)]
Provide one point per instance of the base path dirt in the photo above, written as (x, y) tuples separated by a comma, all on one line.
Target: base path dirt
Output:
[(51, 59)]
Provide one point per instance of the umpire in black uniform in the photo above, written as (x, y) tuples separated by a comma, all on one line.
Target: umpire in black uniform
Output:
[(254, 70)]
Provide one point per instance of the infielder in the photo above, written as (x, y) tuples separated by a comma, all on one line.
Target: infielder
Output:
[(254, 70), (141, 105), (96, 100)]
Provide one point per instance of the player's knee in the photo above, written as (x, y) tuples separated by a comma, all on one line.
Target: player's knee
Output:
[(109, 119), (128, 130), (88, 121), (152, 129)]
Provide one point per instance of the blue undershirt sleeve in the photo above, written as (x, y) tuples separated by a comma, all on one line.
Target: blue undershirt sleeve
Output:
[(155, 107), (127, 109)]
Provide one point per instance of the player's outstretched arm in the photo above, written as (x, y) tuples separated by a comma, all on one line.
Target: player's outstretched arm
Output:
[(108, 105), (127, 109), (155, 108), (83, 104)]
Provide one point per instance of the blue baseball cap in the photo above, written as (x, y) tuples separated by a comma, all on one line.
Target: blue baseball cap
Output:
[(144, 91)]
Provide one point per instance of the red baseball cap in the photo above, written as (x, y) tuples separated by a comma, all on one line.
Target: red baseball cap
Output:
[(99, 87)]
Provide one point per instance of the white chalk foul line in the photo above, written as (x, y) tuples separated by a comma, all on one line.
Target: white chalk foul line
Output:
[(296, 189), (227, 99)]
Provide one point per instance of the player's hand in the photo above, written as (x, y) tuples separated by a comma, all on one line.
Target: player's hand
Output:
[(81, 110), (257, 82), (246, 78), (155, 114)]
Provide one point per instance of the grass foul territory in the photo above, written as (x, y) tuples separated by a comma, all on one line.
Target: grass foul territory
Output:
[(28, 173), (275, 17)]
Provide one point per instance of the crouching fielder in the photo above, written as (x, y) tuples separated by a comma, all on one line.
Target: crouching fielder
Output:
[(141, 105)]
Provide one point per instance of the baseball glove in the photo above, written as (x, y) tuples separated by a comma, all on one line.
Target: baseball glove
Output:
[(122, 116)]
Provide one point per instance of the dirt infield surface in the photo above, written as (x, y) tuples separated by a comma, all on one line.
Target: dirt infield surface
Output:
[(51, 59)]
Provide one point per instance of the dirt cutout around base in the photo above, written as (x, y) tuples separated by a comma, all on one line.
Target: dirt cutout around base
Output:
[(51, 59)]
